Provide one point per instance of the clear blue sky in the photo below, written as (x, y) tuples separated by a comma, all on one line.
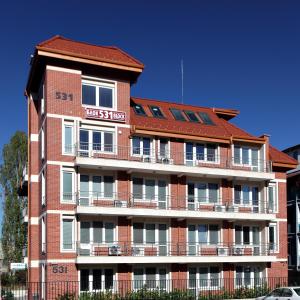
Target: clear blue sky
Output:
[(241, 54)]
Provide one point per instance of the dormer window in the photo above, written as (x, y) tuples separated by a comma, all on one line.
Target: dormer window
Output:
[(191, 116), (139, 110), (177, 114), (96, 93), (205, 118), (156, 112)]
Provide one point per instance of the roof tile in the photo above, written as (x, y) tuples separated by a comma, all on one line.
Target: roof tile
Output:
[(103, 53)]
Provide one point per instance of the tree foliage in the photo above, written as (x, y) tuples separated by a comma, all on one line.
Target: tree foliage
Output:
[(14, 159)]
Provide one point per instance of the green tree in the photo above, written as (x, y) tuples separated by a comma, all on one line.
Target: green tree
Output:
[(14, 159)]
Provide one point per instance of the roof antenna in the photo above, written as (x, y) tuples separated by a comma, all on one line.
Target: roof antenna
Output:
[(181, 81)]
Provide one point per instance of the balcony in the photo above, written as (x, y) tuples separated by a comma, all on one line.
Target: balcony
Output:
[(177, 163), (157, 206), (118, 252)]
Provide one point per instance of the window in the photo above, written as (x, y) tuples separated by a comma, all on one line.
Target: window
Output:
[(151, 277), (191, 116), (177, 114), (43, 194), (153, 234), (148, 189), (97, 232), (164, 151), (204, 277), (246, 195), (68, 233), (42, 143), (96, 187), (203, 192), (272, 196), (200, 152), (273, 237), (95, 141), (207, 234), (139, 110), (156, 112), (246, 156), (41, 95), (96, 279), (247, 235), (141, 146), (67, 186), (205, 118), (43, 235), (68, 139), (98, 94), (247, 276)]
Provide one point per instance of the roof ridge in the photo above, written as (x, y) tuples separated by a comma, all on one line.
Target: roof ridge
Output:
[(171, 102), (75, 41), (128, 55), (49, 40)]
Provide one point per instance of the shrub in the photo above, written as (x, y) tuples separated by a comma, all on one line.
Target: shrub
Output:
[(66, 296)]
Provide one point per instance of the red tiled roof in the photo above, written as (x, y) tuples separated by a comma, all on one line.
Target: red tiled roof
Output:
[(280, 157), (221, 129), (109, 54)]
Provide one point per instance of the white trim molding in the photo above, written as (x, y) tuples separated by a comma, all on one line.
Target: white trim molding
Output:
[(34, 178), (34, 221), (53, 68), (34, 137)]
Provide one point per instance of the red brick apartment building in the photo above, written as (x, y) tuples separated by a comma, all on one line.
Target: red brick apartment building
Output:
[(129, 189)]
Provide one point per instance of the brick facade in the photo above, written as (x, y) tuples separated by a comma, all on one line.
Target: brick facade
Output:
[(57, 113)]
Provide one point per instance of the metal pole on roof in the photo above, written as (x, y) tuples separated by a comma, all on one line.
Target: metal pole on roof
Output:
[(181, 81)]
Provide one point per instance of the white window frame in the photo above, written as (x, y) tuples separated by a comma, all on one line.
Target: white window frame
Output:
[(68, 217), (102, 131), (168, 148), (274, 185), (42, 143), (44, 238), (251, 186), (91, 279), (144, 244), (152, 146), (102, 185), (43, 188), (250, 148), (208, 235), (250, 235), (43, 275), (98, 82), (200, 287), (72, 171), (251, 276), (157, 275), (205, 160), (196, 198), (156, 180), (69, 124), (91, 231), (275, 225)]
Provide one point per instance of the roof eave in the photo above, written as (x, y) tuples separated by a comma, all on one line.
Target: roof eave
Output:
[(88, 59), (285, 165)]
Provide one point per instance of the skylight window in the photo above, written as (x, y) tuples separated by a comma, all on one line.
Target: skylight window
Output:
[(156, 112), (205, 118), (139, 110), (177, 114), (191, 116)]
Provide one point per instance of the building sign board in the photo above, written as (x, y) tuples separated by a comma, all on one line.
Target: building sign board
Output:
[(105, 115), (17, 266)]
